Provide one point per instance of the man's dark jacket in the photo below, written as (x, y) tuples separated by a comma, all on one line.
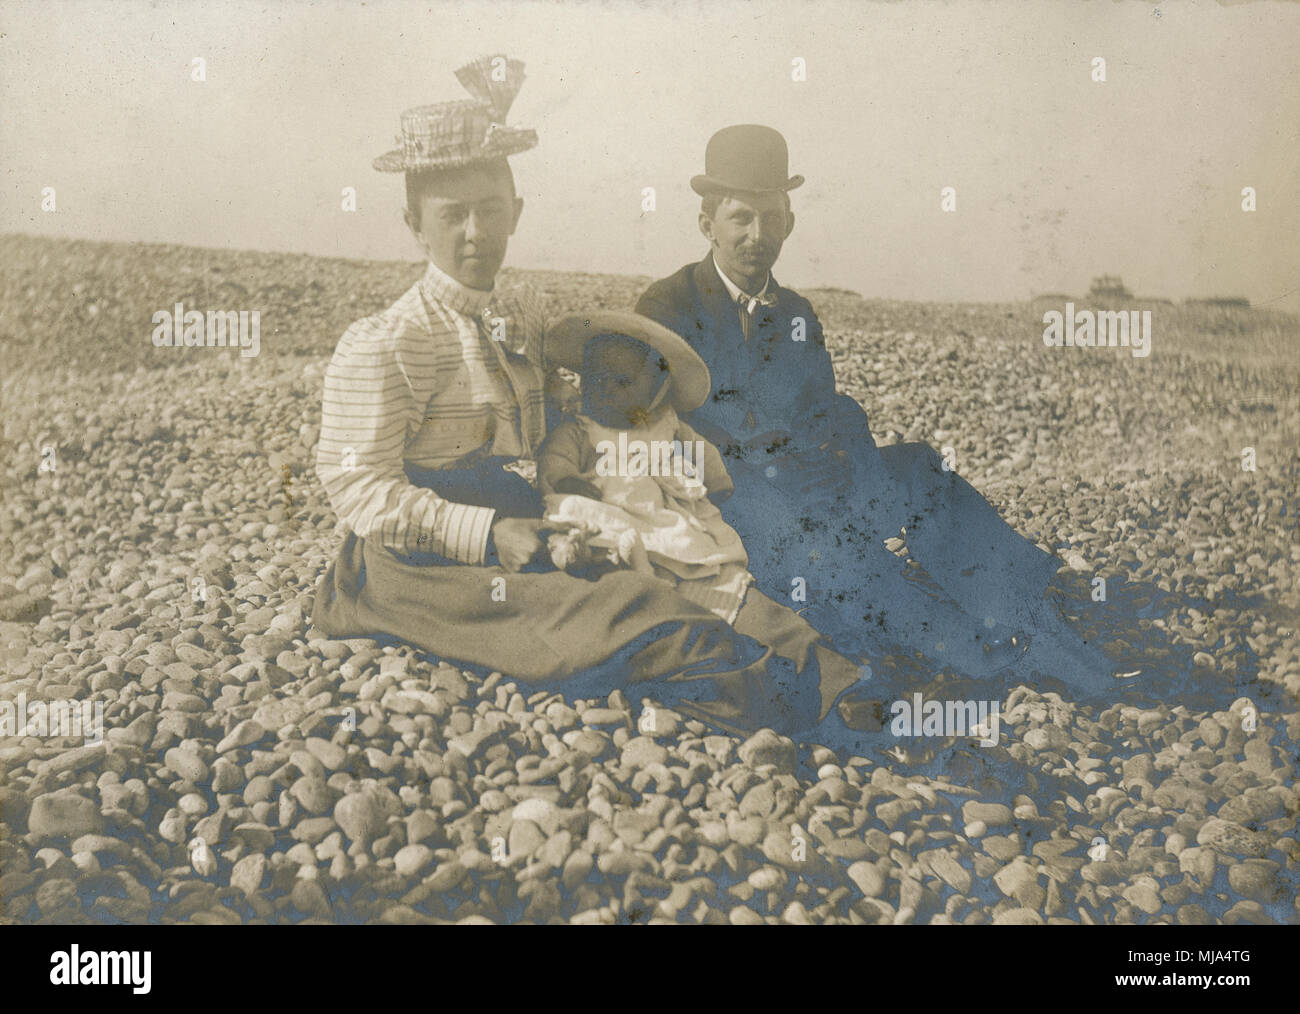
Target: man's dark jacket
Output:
[(772, 397), (814, 497)]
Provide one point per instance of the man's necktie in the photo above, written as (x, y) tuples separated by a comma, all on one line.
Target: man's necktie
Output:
[(748, 306)]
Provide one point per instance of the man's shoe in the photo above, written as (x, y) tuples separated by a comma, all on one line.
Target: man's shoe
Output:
[(856, 725), (861, 709)]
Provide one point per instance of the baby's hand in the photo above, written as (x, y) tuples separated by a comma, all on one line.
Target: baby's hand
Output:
[(574, 486), (567, 549), (629, 552), (570, 547)]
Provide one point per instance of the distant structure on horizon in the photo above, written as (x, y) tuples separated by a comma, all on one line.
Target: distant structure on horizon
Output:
[(1108, 287), (1109, 290), (1238, 301)]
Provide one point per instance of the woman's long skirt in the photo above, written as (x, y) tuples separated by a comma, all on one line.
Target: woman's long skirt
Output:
[(551, 629)]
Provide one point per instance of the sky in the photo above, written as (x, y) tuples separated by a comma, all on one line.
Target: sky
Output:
[(1058, 177)]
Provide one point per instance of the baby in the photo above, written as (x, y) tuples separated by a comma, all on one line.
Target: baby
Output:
[(636, 480), (638, 485)]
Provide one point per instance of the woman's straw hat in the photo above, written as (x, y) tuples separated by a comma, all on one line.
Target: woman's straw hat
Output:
[(467, 131)]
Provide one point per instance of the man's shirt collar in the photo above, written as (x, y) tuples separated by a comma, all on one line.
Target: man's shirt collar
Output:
[(734, 290)]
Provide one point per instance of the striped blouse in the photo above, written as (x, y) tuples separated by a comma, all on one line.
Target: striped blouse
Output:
[(425, 383)]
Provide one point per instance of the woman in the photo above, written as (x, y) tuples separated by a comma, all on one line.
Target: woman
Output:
[(428, 428)]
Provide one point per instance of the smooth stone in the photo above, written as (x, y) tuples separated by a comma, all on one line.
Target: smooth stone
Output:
[(851, 849), (767, 747), (1198, 862), (1230, 838), (989, 814), (247, 873), (442, 790), (314, 796), (447, 877), (192, 804), (102, 844), (743, 915), (759, 801), (360, 816), (542, 812), (175, 700), (1018, 917), (307, 764), (642, 751), (588, 741), (74, 760), (52, 857), (1143, 896), (948, 869), (767, 878), (226, 777), (331, 755), (1250, 912), (256, 837), (1258, 879), (623, 863), (172, 827), (1003, 847), (187, 764), (1194, 915), (525, 838), (258, 790), (411, 860), (471, 743), (604, 717), (868, 878), (64, 815), (313, 829), (1016, 878), (309, 898), (421, 825), (55, 896)]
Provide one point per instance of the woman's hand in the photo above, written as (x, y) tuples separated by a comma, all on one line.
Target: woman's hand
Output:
[(517, 541)]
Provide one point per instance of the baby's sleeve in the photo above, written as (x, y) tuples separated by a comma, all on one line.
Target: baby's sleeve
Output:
[(565, 452)]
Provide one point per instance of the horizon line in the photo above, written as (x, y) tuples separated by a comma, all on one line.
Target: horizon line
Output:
[(508, 267)]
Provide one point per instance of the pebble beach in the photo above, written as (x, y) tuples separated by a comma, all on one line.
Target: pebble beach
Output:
[(162, 531)]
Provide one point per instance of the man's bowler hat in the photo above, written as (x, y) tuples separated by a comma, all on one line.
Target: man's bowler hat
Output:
[(749, 158)]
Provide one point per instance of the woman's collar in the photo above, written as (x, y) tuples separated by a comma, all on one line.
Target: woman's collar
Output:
[(440, 287)]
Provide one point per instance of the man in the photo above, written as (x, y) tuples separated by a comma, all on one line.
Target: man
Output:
[(814, 496)]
